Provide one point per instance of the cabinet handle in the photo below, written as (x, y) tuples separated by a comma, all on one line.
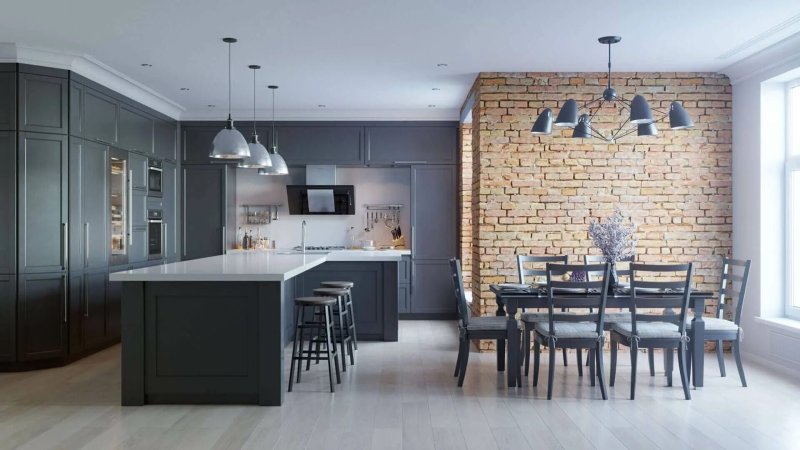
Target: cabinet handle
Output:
[(86, 244), (64, 245), (85, 297), (164, 240), (411, 281), (223, 239), (129, 218), (410, 162), (64, 289)]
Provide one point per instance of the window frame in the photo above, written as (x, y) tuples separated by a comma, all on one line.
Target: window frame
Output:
[(792, 165)]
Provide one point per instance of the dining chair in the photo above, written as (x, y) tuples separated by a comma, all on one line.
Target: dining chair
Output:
[(530, 319), (469, 328), (576, 329), (646, 329), (732, 289), (613, 317)]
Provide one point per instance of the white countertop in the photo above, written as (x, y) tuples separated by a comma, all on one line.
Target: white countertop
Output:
[(256, 265)]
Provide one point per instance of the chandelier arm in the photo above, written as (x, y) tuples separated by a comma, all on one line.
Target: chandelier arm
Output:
[(616, 134), (599, 107), (588, 103), (598, 134)]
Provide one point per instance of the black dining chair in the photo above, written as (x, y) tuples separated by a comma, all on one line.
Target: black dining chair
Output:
[(665, 330), (469, 328), (577, 329), (530, 319), (732, 289)]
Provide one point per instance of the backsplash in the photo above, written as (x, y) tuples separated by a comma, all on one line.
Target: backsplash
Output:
[(372, 185)]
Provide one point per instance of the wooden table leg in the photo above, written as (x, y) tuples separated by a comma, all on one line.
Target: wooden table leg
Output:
[(512, 346), (698, 343), (501, 344)]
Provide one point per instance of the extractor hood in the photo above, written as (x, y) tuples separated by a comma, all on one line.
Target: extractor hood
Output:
[(321, 195)]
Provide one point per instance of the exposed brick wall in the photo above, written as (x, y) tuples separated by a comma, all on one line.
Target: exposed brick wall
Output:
[(538, 194), (466, 203)]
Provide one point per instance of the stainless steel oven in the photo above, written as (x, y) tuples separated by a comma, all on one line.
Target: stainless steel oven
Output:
[(154, 173), (155, 234)]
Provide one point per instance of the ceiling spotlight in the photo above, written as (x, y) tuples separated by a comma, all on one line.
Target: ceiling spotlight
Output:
[(441, 65), (431, 106), (212, 106), (435, 89), (321, 106), (185, 89), (146, 65)]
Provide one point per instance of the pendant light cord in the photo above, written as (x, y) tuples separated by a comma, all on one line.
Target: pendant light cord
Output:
[(609, 66), (254, 102), (274, 136), (229, 81)]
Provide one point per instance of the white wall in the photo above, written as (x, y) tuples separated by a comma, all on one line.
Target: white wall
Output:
[(758, 203), (372, 185)]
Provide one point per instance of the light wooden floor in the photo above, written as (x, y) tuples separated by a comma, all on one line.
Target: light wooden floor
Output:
[(402, 395)]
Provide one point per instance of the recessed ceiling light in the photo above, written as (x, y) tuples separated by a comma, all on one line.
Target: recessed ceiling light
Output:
[(441, 65), (185, 89), (212, 106), (431, 106), (435, 89), (146, 65), (321, 106)]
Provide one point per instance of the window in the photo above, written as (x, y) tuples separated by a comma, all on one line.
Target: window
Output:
[(793, 200)]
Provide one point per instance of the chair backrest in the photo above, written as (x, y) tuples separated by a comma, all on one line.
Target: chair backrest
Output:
[(588, 294), (523, 271), (599, 259), (672, 283), (461, 298), (732, 288)]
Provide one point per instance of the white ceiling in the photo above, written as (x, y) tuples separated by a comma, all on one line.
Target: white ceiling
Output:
[(378, 58)]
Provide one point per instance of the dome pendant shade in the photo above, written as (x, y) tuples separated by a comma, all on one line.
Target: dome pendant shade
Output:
[(568, 116), (278, 167), (647, 129), (640, 111), (584, 127), (678, 117), (544, 123), (259, 155), (229, 144)]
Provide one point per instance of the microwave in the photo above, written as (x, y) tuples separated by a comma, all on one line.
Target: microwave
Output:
[(154, 178)]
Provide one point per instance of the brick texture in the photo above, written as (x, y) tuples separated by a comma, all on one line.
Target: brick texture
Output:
[(537, 194)]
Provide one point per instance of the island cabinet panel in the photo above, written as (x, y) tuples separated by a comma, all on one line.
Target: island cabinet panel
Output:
[(8, 97), (43, 103), (42, 316), (321, 144), (410, 144), (8, 202), (374, 293), (100, 117), (8, 318)]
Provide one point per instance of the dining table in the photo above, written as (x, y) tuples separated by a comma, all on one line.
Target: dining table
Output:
[(511, 301)]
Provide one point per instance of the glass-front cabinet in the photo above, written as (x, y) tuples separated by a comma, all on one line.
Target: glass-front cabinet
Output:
[(120, 196)]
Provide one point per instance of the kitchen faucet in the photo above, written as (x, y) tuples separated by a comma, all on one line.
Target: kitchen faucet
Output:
[(303, 237)]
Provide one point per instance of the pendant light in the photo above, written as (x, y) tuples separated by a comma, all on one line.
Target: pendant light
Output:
[(229, 142), (278, 164), (259, 156)]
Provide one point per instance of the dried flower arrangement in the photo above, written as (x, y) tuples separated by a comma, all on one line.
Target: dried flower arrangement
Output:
[(615, 238)]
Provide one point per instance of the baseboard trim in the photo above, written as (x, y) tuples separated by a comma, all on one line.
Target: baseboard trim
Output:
[(770, 364)]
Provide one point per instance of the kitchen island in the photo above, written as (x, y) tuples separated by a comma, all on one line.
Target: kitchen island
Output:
[(213, 330)]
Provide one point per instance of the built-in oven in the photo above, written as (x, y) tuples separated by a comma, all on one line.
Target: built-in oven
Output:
[(155, 234), (154, 173)]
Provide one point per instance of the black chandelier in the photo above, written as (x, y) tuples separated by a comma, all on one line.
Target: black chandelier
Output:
[(640, 119)]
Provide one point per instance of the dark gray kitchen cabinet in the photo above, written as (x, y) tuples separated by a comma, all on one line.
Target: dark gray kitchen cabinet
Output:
[(321, 144), (8, 202), (164, 140), (88, 205), (42, 202), (138, 247), (138, 164), (404, 299), (135, 131), (169, 184), (87, 309), (42, 316), (8, 97), (209, 210), (411, 144), (76, 99), (100, 117), (43, 103), (404, 270), (432, 288), (8, 318), (434, 214)]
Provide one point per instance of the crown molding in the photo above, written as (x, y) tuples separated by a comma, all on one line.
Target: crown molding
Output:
[(94, 70), (244, 115), (767, 63)]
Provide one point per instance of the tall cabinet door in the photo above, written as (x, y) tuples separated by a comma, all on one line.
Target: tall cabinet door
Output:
[(204, 194), (42, 202), (43, 103), (8, 202), (8, 318), (42, 316), (169, 184), (434, 215), (88, 200)]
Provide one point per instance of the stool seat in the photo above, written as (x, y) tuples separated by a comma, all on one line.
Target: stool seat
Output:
[(313, 301), (338, 284), (331, 291)]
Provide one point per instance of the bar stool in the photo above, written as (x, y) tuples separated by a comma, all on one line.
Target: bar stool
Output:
[(318, 332), (341, 322), (348, 302)]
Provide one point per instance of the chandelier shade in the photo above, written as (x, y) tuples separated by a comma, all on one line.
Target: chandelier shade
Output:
[(678, 117), (544, 123), (646, 129), (584, 127), (640, 111), (568, 116)]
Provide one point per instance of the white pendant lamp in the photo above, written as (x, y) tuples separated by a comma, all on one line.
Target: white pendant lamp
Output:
[(259, 156), (229, 142), (278, 164)]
